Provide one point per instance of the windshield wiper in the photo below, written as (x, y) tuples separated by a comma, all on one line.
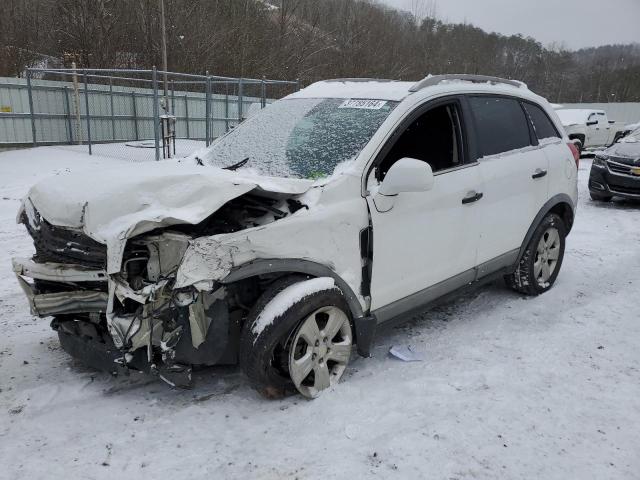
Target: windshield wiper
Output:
[(236, 166)]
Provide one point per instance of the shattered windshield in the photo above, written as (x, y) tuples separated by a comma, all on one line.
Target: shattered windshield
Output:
[(301, 138)]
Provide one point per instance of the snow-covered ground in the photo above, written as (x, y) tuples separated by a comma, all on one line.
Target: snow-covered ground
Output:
[(511, 387)]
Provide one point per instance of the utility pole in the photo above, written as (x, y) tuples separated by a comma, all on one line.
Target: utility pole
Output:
[(164, 56)]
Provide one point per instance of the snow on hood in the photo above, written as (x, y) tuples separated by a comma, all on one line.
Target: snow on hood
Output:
[(625, 149), (115, 204)]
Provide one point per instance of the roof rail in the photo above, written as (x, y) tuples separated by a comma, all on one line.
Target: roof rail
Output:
[(340, 80), (433, 80)]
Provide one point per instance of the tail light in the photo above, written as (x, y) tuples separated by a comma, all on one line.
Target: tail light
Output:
[(575, 152)]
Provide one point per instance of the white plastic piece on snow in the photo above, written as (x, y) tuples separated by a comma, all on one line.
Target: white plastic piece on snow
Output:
[(406, 353)]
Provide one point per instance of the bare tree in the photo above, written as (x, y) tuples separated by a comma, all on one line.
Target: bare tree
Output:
[(309, 39)]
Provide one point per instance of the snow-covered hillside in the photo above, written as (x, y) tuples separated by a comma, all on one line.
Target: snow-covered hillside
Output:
[(511, 387)]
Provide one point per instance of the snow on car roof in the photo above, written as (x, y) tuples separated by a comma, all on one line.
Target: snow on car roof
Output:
[(356, 88), (396, 90)]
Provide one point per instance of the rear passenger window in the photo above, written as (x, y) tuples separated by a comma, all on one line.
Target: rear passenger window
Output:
[(500, 124), (542, 125)]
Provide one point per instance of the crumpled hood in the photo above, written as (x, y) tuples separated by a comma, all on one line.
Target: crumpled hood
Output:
[(114, 204)]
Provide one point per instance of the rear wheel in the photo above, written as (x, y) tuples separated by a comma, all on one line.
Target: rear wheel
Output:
[(298, 337), (542, 259), (596, 197)]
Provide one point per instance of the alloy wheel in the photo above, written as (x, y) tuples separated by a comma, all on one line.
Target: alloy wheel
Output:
[(320, 351), (547, 254)]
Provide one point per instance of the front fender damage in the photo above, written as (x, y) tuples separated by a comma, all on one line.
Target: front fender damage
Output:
[(209, 259), (167, 306)]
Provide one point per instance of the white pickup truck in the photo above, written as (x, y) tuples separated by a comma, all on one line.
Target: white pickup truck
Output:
[(590, 128)]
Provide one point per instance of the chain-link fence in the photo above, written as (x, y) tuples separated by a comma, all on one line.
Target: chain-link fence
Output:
[(138, 114)]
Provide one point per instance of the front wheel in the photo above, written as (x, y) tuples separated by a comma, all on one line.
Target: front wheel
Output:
[(297, 337), (542, 258)]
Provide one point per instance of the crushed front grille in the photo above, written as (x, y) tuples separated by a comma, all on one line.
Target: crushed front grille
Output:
[(63, 245)]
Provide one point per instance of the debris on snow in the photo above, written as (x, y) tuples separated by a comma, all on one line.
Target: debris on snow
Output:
[(406, 353)]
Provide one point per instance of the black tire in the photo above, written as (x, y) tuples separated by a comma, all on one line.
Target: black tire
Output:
[(264, 355), (596, 197), (524, 280)]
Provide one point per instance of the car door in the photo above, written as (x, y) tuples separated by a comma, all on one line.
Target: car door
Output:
[(562, 164), (426, 238), (514, 174), (604, 129), (592, 130)]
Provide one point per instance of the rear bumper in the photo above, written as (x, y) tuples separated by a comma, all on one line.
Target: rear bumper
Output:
[(604, 182), (63, 302)]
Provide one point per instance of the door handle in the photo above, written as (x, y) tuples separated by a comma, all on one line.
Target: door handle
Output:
[(471, 197), (539, 173)]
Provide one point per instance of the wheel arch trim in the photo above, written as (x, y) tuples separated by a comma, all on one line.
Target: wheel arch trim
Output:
[(364, 325), (308, 267), (560, 200)]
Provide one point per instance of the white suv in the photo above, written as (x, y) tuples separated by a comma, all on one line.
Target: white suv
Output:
[(343, 206)]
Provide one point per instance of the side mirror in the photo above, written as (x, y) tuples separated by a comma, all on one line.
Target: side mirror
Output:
[(407, 175), (589, 124)]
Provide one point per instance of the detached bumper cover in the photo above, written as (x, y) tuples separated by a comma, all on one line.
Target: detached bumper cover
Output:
[(65, 302)]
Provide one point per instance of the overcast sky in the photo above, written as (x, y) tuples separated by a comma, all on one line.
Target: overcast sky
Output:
[(573, 23)]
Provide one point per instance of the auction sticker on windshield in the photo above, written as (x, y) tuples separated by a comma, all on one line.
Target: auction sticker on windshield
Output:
[(365, 104)]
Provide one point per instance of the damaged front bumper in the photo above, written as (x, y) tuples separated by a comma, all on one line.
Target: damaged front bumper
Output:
[(62, 302), (134, 319)]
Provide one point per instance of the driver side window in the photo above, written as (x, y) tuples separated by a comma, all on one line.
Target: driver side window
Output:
[(434, 137)]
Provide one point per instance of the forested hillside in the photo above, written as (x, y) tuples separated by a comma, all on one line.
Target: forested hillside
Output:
[(306, 39)]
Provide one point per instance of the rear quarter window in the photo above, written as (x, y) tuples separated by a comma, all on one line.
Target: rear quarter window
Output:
[(501, 124), (542, 124)]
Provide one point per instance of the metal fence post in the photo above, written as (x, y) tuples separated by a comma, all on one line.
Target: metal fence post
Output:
[(297, 84), (76, 104), (186, 113), (67, 107), (207, 110), (113, 118), (135, 114), (156, 113), (240, 100), (226, 109), (31, 112), (263, 92), (173, 98), (86, 104)]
